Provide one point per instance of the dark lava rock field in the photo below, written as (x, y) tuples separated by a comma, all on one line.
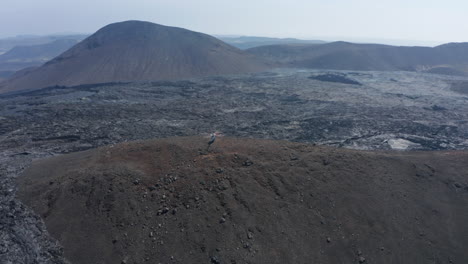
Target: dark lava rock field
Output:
[(419, 111)]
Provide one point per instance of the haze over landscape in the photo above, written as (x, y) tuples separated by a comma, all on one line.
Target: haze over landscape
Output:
[(233, 132), (389, 22)]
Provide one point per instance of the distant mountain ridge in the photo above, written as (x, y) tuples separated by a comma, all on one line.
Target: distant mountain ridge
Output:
[(21, 57), (143, 51), (7, 44), (246, 42), (42, 52), (138, 51), (449, 58), (18, 53)]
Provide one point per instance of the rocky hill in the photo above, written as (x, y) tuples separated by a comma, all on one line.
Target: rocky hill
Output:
[(138, 51), (252, 201)]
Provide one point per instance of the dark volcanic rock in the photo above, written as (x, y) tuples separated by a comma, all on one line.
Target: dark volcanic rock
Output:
[(379, 114), (460, 87), (23, 235), (330, 77)]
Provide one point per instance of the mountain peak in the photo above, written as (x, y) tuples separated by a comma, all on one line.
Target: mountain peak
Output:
[(138, 51)]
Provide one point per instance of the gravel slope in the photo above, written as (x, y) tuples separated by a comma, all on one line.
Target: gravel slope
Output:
[(252, 201)]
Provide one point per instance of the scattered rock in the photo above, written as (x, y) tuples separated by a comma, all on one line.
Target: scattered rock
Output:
[(438, 108), (215, 260), (223, 185), (163, 210), (247, 163)]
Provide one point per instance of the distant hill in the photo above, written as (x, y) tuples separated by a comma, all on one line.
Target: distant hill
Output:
[(38, 52), (245, 42), (21, 57), (138, 51), (445, 59), (7, 44)]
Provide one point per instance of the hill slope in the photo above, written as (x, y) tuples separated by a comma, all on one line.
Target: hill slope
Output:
[(449, 58), (252, 201), (138, 51)]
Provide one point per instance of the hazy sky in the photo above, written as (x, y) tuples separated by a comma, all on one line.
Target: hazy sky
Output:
[(354, 20)]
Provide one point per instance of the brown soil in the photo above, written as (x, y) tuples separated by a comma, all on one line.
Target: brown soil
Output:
[(252, 201)]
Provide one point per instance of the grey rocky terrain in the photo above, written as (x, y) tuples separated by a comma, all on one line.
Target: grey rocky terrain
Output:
[(389, 110)]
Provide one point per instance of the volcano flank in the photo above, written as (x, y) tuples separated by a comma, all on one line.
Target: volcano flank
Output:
[(138, 51), (252, 201)]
